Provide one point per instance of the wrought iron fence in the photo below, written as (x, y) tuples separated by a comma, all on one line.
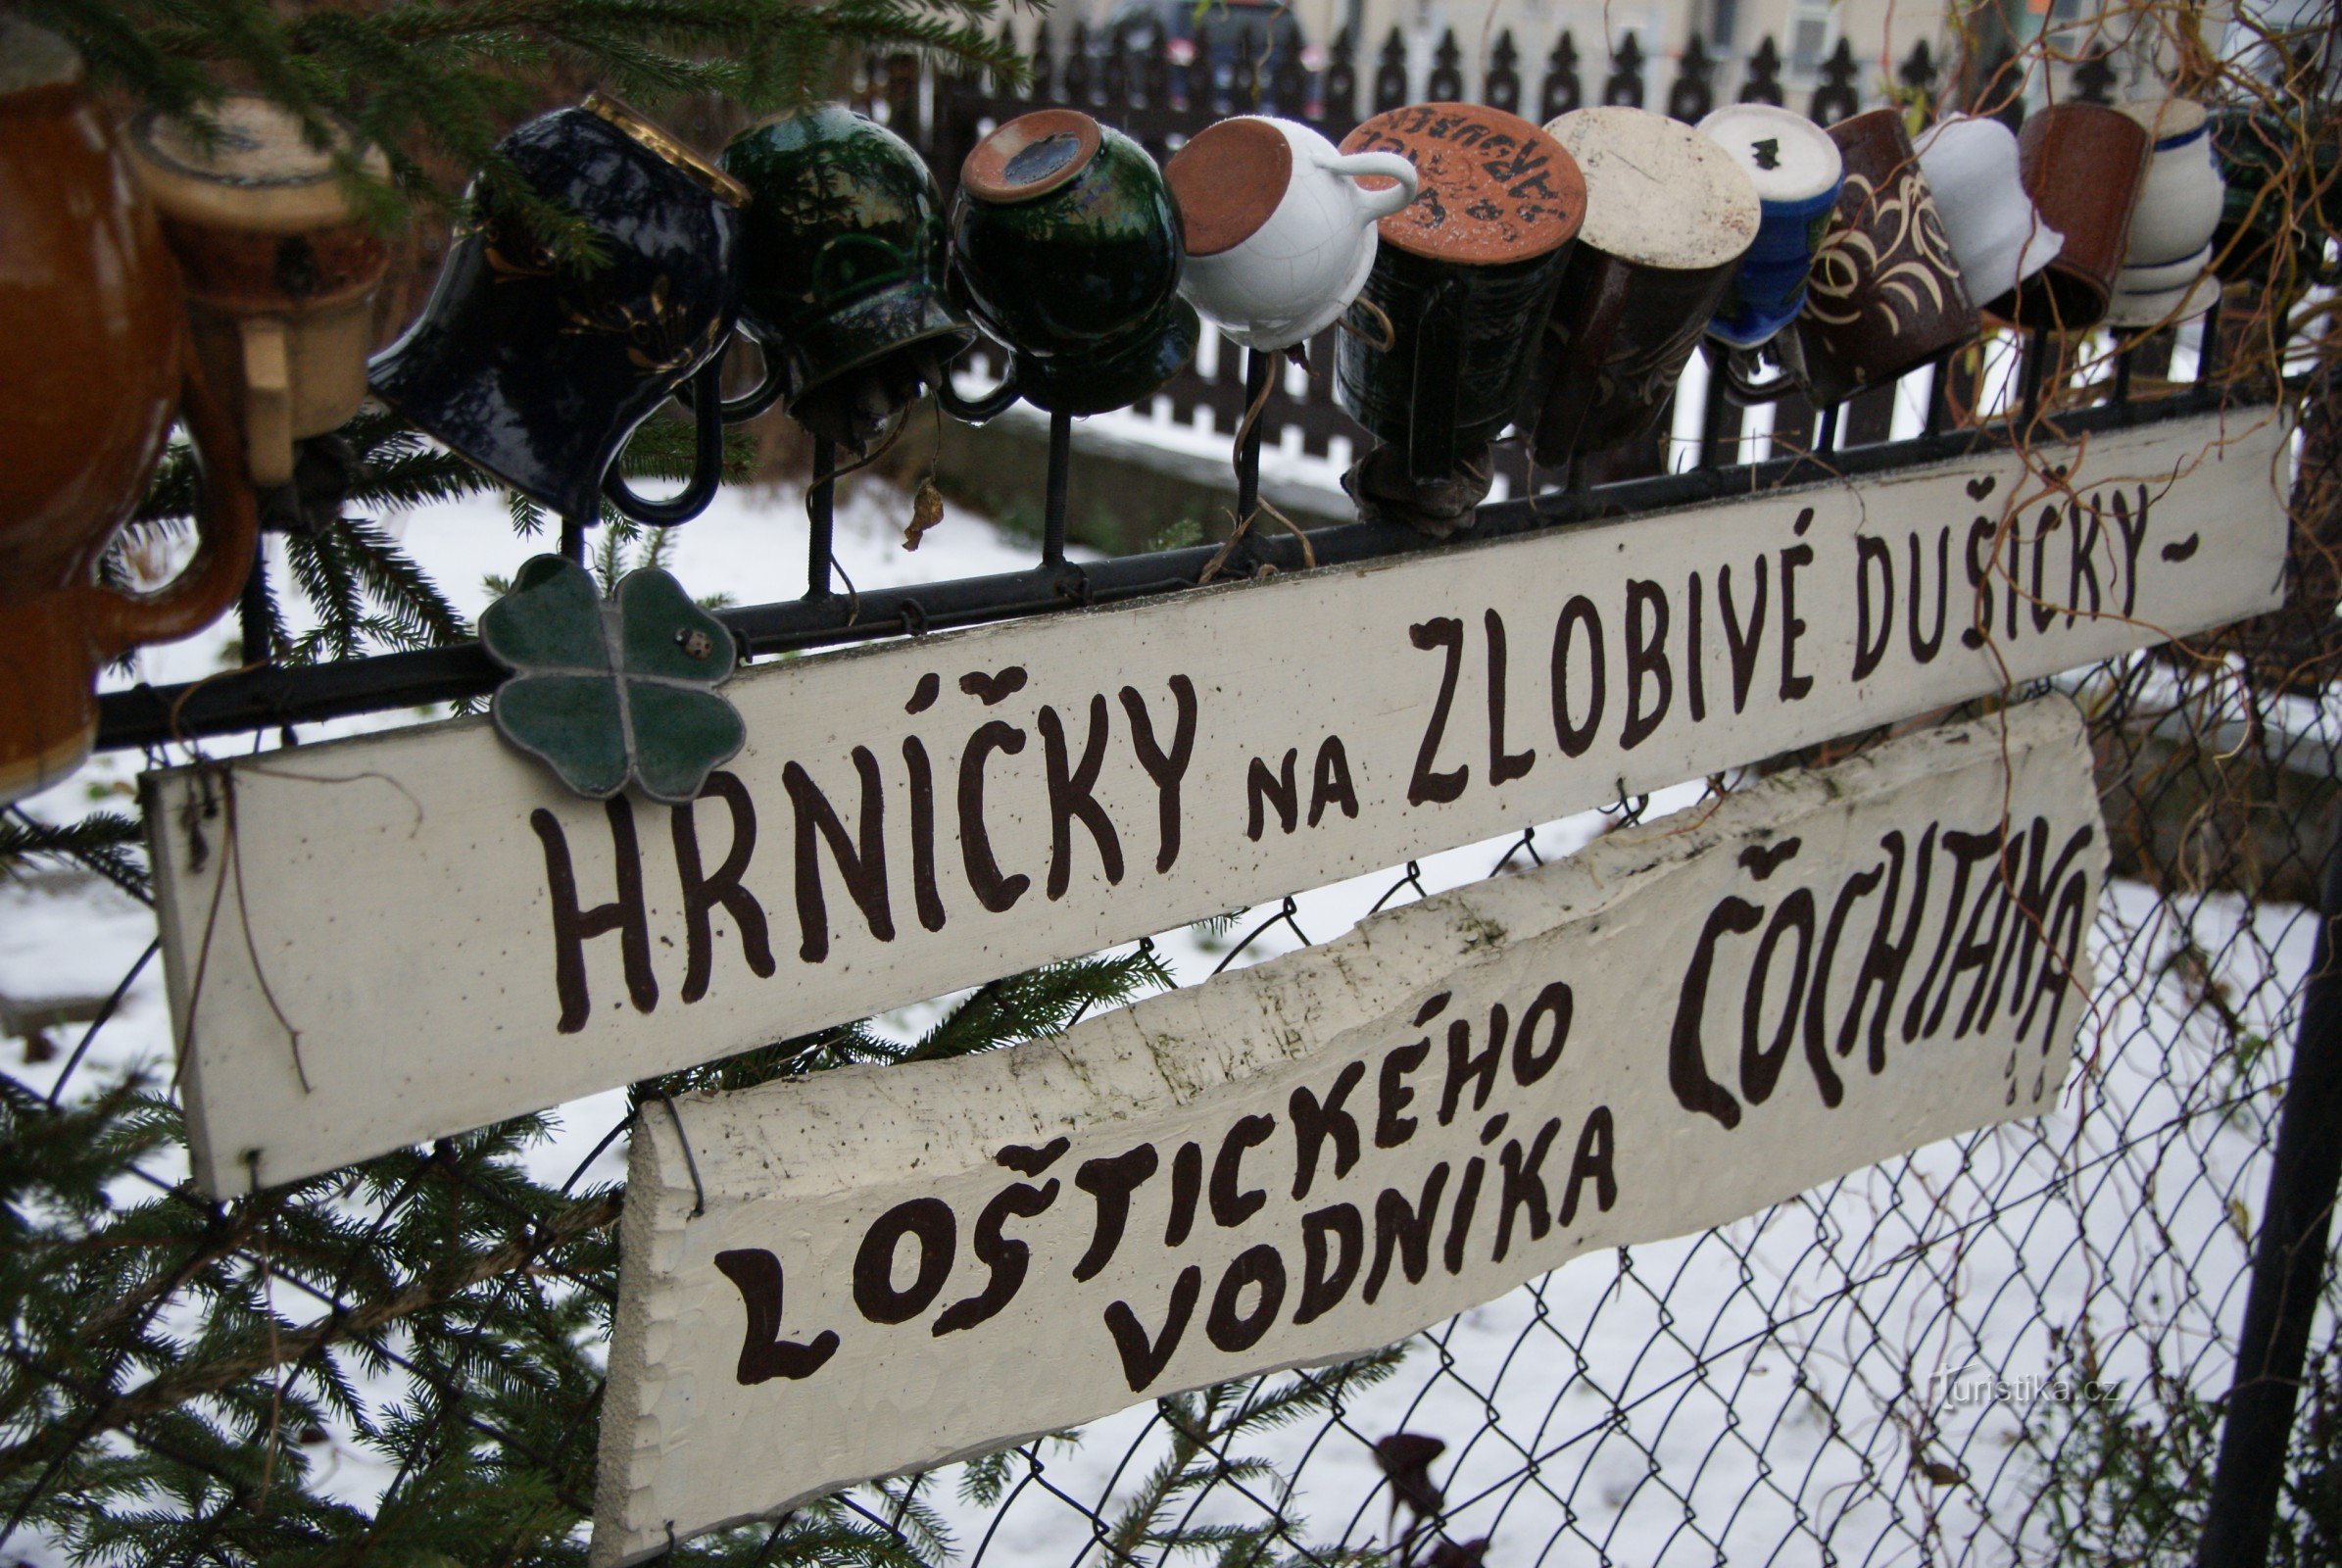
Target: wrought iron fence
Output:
[(1163, 97), (2013, 1345)]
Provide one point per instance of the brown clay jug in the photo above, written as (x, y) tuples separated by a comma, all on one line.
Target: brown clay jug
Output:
[(94, 367)]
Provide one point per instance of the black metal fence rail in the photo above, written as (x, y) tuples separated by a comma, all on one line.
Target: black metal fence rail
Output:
[(275, 697), (1163, 101)]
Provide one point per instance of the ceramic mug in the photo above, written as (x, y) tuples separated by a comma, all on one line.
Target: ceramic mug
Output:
[(83, 265), (281, 269), (2182, 193), (1997, 236), (1886, 295), (1065, 243), (843, 263), (2083, 164), (537, 371), (1669, 215), (1797, 172), (2170, 250), (1464, 277), (1280, 232)]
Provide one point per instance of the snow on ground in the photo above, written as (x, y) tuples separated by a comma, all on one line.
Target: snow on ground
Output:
[(1633, 1404)]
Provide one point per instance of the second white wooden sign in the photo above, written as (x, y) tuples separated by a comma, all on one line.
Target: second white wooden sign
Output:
[(876, 1270)]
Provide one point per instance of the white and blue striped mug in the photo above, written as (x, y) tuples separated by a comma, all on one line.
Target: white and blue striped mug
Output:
[(1797, 172)]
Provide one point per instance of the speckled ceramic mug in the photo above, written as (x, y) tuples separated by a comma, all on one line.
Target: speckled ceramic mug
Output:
[(1065, 243)]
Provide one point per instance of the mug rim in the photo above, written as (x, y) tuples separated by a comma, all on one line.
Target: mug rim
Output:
[(983, 173), (1813, 136), (1570, 201), (1248, 215), (1730, 204), (654, 139)]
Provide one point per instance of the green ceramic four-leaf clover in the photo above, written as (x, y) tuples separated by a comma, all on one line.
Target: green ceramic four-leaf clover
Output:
[(608, 690)]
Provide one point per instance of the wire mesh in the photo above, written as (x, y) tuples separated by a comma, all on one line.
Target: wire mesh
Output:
[(1924, 1361)]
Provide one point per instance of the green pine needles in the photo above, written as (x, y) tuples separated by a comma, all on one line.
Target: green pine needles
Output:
[(173, 1368)]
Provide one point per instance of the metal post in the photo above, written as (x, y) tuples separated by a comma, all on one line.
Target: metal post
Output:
[(1712, 416), (2289, 1262), (252, 608), (1258, 368), (821, 497), (1827, 436), (573, 539), (1052, 505), (2037, 361)]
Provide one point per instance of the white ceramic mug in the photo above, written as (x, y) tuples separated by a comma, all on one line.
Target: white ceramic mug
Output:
[(2180, 199), (1280, 234), (1997, 236)]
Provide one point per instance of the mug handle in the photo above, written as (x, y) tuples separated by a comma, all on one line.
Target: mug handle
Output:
[(1378, 204), (750, 404), (706, 458), (228, 530), (267, 399), (978, 410), (1740, 370)]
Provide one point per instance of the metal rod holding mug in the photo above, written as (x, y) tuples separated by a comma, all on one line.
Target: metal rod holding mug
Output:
[(1257, 368), (822, 512), (1053, 505)]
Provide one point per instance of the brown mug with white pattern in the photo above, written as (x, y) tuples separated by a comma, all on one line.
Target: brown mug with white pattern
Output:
[(1886, 296)]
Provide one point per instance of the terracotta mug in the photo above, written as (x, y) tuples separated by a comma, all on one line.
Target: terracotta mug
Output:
[(1065, 243), (2083, 164), (94, 363), (1797, 172), (538, 371), (1997, 236), (282, 269), (1434, 354), (1669, 214), (1886, 295), (2169, 255), (1280, 230)]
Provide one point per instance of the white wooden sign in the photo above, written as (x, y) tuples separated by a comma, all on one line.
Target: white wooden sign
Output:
[(1681, 1026), (444, 937)]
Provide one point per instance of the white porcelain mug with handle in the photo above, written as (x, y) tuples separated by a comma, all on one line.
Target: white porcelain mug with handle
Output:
[(1280, 230)]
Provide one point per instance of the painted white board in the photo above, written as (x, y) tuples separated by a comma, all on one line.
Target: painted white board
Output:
[(437, 935), (1322, 1155)]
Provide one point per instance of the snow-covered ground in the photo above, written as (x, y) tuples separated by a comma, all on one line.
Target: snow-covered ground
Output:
[(1731, 1395)]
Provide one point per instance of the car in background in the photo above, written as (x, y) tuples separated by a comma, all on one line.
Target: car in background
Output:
[(1217, 31)]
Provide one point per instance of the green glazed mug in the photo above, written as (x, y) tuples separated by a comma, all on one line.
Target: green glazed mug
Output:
[(841, 265), (1065, 243), (2269, 235)]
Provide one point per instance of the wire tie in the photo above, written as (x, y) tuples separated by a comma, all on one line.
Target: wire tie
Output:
[(690, 1163)]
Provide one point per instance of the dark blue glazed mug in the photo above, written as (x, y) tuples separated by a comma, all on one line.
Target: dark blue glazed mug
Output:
[(538, 369), (1798, 172)]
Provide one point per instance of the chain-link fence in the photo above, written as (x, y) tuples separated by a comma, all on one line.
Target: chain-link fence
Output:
[(2010, 1346)]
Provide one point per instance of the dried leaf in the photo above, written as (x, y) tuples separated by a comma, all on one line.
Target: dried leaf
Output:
[(927, 511)]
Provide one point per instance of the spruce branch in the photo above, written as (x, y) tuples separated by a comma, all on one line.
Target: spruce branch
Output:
[(179, 1385), (106, 843)]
